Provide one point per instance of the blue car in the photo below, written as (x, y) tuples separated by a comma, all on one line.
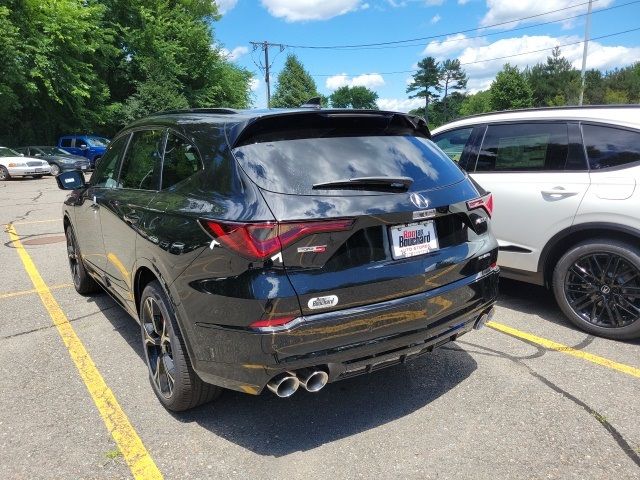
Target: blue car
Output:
[(89, 146)]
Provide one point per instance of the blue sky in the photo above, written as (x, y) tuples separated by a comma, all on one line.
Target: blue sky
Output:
[(349, 22)]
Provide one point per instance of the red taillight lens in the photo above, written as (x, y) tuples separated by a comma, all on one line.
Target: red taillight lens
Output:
[(486, 203), (261, 240), (271, 322)]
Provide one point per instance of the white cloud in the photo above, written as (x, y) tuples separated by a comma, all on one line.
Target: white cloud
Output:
[(235, 53), (452, 43), (302, 10), (400, 104), (500, 11), (225, 5), (463, 2), (369, 80), (436, 18), (482, 73), (254, 84)]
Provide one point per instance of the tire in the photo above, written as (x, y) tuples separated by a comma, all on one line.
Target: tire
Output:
[(4, 173), (82, 281), (37, 177), (95, 162), (55, 169), (172, 377), (597, 285)]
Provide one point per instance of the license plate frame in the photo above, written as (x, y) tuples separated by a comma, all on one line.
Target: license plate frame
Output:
[(422, 239)]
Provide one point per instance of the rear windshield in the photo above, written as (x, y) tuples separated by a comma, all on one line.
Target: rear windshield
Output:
[(294, 166)]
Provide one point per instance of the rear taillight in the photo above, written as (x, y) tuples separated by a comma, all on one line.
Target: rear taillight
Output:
[(258, 241), (486, 203), (271, 322)]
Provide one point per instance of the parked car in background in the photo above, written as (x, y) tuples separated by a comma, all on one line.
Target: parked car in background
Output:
[(566, 185), (59, 160), (281, 249), (89, 146), (14, 164)]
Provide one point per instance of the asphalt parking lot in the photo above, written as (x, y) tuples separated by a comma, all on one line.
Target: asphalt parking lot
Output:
[(529, 397)]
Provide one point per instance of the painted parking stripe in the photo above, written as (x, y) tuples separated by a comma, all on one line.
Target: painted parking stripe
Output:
[(33, 290), (30, 222), (133, 450), (559, 347)]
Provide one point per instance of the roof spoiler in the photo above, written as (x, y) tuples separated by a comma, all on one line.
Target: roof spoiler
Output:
[(315, 102)]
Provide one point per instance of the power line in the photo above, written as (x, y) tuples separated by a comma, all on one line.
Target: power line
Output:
[(525, 27), (492, 59), (267, 66), (431, 37)]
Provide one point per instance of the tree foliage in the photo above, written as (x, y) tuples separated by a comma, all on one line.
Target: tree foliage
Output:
[(359, 97), (452, 77), (510, 90), (426, 82), (94, 65), (295, 85)]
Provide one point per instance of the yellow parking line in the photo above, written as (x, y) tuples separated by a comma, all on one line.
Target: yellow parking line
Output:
[(33, 221), (33, 290), (551, 345), (133, 450)]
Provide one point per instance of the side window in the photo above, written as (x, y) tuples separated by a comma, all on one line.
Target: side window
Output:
[(453, 142), (106, 173), (80, 142), (610, 147), (526, 147), (65, 142), (181, 160), (141, 166)]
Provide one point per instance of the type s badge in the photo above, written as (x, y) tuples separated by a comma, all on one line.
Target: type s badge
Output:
[(322, 302)]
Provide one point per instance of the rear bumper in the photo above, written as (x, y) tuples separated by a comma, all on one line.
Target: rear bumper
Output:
[(346, 342)]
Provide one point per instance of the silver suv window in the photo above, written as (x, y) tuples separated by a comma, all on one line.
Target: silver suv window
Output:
[(610, 147)]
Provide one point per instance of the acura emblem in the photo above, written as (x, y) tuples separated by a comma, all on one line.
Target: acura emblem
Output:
[(419, 201)]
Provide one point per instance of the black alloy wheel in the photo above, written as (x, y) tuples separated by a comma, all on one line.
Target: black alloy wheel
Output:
[(157, 347), (600, 288), (82, 282), (172, 377)]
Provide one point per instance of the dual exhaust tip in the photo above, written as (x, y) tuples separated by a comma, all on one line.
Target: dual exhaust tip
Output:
[(484, 318), (286, 384)]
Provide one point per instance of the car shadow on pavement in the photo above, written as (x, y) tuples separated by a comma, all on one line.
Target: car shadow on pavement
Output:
[(536, 300), (271, 426)]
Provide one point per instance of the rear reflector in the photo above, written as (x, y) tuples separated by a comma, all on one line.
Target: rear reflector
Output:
[(261, 240), (271, 322), (486, 203)]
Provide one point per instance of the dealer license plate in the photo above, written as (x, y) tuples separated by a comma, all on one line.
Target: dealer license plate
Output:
[(413, 239)]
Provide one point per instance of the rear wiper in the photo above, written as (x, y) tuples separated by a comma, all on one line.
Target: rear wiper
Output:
[(367, 183)]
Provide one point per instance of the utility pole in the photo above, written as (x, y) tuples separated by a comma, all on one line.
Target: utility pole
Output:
[(587, 27), (265, 48)]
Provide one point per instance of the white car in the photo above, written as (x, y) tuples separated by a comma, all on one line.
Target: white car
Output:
[(565, 184), (14, 164)]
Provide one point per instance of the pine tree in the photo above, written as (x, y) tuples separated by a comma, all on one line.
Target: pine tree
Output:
[(426, 82), (295, 85)]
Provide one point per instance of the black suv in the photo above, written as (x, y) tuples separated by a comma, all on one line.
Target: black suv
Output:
[(281, 248)]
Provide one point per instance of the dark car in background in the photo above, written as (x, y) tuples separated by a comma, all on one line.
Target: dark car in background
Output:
[(91, 147), (281, 248), (59, 159)]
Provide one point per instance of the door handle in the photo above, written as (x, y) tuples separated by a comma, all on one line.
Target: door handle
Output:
[(558, 191)]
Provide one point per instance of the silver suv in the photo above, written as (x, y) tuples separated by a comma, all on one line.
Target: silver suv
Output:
[(567, 204)]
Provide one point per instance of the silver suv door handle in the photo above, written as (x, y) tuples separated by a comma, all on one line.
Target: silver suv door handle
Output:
[(559, 191)]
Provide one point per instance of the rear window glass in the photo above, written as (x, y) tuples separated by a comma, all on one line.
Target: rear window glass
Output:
[(294, 166), (610, 147)]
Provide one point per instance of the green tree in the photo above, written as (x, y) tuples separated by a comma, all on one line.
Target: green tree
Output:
[(554, 83), (359, 97), (295, 85), (453, 77), (510, 90), (426, 82), (479, 102)]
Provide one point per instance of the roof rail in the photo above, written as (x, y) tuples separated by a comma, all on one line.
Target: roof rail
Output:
[(219, 111), (537, 109)]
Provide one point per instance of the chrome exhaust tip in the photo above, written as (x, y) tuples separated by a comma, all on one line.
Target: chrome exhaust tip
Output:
[(313, 380), (284, 385)]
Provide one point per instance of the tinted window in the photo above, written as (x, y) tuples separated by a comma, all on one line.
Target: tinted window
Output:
[(610, 147), (140, 169), (65, 142), (294, 166), (80, 143), (524, 148), (106, 172), (452, 143), (181, 160)]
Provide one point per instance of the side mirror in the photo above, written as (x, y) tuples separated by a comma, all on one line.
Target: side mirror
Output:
[(71, 180), (21, 154), (83, 147)]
